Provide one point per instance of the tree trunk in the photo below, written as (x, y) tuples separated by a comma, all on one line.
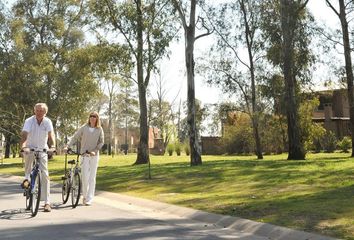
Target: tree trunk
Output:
[(257, 138), (288, 25), (110, 124), (348, 66), (193, 133), (255, 110), (143, 147), (7, 145)]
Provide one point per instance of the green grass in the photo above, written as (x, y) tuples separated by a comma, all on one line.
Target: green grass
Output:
[(315, 195)]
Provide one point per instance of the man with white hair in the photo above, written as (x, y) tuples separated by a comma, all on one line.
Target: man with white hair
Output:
[(36, 132)]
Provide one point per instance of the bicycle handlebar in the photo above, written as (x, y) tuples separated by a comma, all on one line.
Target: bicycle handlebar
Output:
[(37, 150), (72, 152)]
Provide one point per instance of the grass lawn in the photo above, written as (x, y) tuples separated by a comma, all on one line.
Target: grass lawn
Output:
[(315, 195)]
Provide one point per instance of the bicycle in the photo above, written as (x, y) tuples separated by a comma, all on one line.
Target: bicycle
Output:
[(33, 191), (72, 179)]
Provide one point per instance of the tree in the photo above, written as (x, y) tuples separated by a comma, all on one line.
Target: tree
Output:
[(126, 109), (237, 27), (161, 114), (200, 115), (113, 68), (346, 7), (54, 59), (147, 29), (190, 38), (286, 27), (13, 77), (289, 11)]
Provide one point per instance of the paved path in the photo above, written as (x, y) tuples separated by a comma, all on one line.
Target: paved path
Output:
[(116, 216)]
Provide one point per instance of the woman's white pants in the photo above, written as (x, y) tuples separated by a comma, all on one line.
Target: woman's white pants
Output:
[(89, 166)]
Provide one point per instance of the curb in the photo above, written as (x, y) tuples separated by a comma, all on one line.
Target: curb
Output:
[(266, 230), (270, 231)]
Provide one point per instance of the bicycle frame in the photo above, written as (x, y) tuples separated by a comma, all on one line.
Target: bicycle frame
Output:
[(33, 192), (72, 180)]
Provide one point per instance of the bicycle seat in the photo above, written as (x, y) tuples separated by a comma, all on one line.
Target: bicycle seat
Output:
[(71, 161)]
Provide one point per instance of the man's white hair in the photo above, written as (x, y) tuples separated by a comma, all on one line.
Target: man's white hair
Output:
[(42, 105)]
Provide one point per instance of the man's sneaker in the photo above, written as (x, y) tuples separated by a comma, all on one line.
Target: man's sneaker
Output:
[(47, 208), (25, 184)]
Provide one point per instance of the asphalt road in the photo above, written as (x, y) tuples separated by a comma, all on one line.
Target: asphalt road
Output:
[(115, 216)]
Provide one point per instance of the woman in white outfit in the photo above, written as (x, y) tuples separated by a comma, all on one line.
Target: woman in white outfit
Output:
[(90, 137)]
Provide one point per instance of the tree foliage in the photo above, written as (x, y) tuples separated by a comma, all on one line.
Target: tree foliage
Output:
[(55, 62)]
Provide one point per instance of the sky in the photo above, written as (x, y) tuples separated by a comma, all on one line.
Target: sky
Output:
[(173, 70)]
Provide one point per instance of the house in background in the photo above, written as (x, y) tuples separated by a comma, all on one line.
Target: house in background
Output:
[(333, 111)]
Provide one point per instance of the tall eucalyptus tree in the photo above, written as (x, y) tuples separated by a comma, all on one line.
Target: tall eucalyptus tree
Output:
[(290, 12), (286, 26), (147, 28), (189, 26)]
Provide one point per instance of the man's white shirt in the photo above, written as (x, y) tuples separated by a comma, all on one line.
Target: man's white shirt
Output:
[(37, 134)]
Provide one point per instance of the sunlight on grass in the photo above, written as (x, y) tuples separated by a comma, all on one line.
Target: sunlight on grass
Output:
[(314, 195)]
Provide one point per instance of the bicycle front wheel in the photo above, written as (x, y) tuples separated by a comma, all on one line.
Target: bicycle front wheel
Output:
[(75, 190), (35, 195), (65, 190)]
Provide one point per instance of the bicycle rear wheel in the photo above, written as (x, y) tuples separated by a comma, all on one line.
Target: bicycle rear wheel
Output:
[(65, 190), (35, 195), (75, 190)]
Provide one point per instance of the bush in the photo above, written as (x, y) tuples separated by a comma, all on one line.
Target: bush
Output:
[(187, 149), (345, 144), (329, 142), (273, 130), (239, 139), (178, 148), (315, 138), (170, 149)]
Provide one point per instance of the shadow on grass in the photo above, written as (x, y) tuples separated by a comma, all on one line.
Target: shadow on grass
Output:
[(309, 212), (297, 194), (11, 165)]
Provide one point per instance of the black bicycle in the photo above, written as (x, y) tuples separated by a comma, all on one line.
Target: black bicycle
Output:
[(72, 179), (32, 192)]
